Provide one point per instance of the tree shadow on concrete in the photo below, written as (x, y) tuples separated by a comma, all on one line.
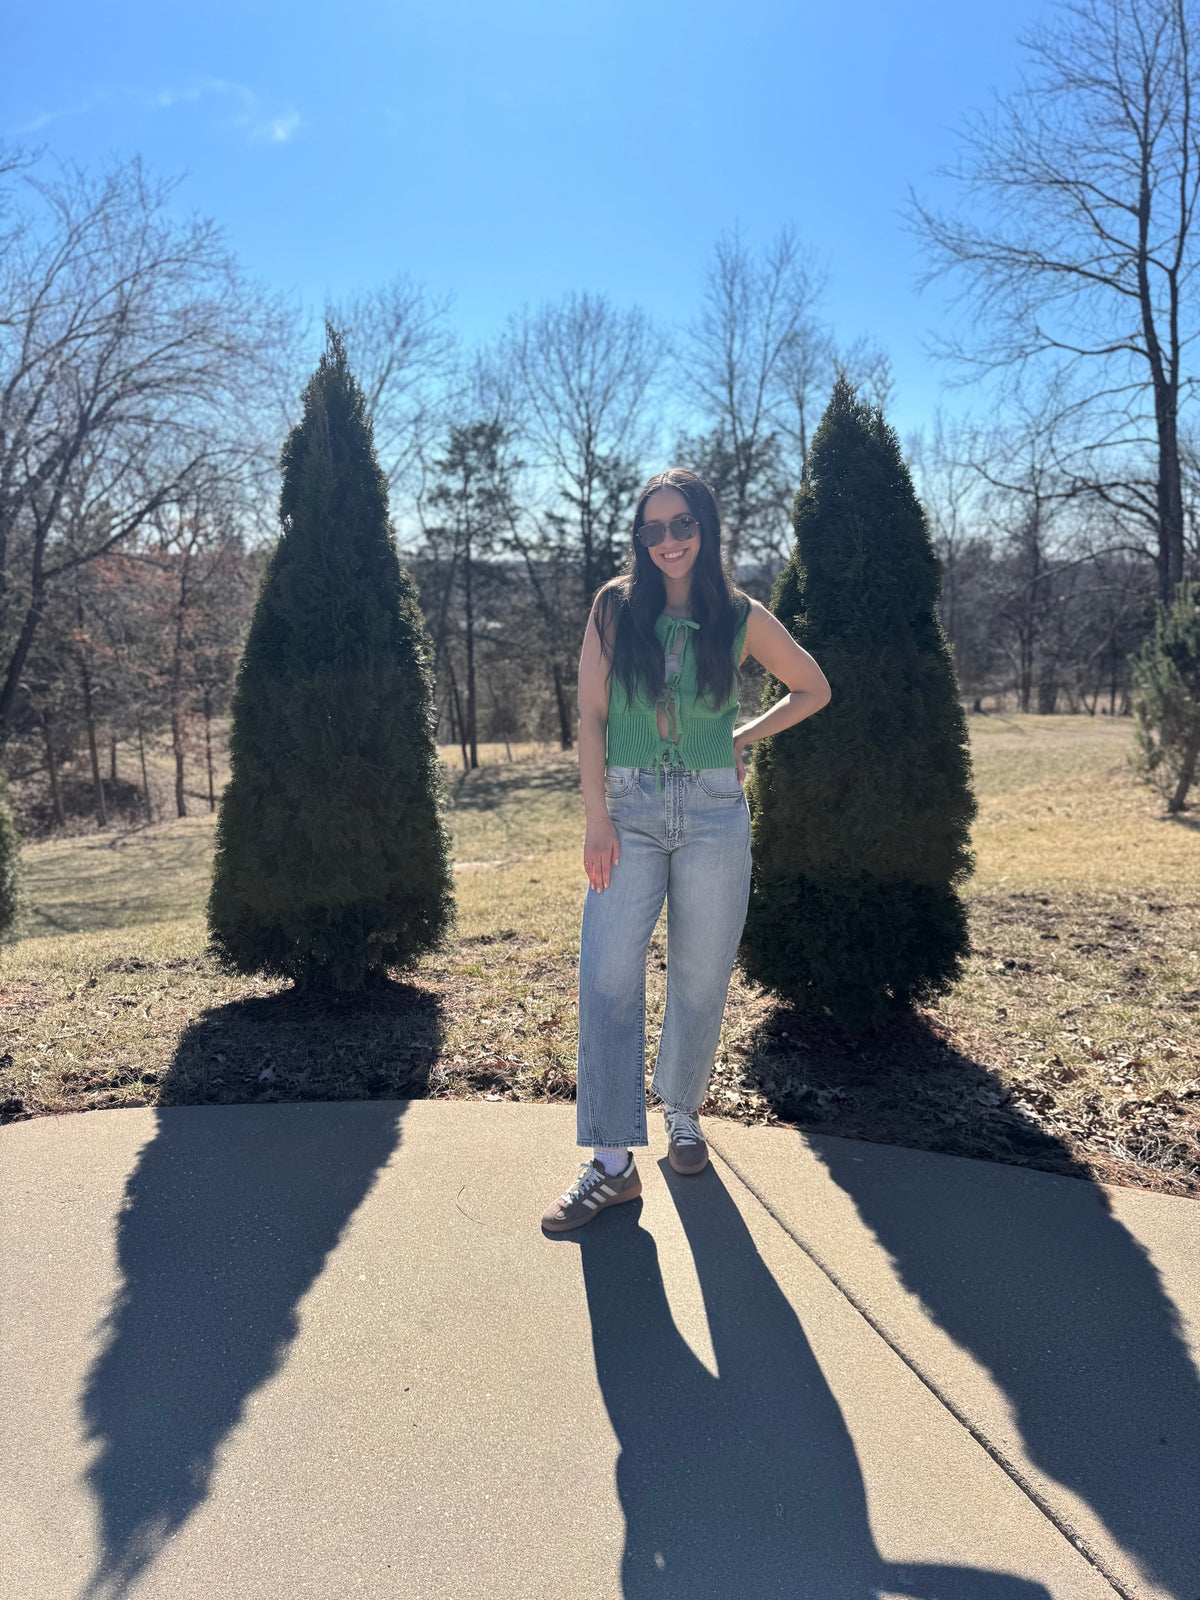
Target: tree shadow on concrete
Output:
[(228, 1219), (1060, 1303), (745, 1484)]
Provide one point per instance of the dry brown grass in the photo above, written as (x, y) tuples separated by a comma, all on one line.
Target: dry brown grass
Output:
[(1070, 1044)]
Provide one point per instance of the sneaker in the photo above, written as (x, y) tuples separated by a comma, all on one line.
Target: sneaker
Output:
[(686, 1150), (592, 1190)]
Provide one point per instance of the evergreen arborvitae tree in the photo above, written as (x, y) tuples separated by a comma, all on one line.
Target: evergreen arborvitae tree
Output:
[(862, 814), (332, 858), (1166, 681), (11, 898)]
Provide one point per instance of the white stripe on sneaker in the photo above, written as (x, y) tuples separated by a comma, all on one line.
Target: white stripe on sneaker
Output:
[(604, 1189), (591, 1204)]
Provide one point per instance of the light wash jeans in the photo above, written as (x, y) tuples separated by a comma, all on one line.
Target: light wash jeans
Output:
[(690, 842)]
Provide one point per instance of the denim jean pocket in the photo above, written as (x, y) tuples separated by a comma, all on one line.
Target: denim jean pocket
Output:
[(618, 781), (720, 782)]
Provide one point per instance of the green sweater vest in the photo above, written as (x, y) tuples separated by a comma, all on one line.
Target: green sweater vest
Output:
[(700, 734)]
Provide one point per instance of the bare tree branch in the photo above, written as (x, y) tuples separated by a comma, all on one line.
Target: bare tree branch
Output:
[(1075, 246)]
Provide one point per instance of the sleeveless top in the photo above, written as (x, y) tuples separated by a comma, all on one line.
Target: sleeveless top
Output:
[(699, 734)]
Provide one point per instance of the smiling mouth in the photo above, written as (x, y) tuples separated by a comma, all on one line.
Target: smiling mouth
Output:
[(673, 555)]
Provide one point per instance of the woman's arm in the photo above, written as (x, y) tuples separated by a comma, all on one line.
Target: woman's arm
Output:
[(600, 845), (768, 641)]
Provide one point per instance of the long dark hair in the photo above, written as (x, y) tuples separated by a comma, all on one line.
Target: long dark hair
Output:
[(628, 606)]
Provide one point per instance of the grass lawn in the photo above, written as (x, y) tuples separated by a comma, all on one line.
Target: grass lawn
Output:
[(1071, 1044)]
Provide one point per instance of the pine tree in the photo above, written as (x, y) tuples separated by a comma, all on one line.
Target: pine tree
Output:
[(11, 895), (861, 814), (1166, 681), (332, 858)]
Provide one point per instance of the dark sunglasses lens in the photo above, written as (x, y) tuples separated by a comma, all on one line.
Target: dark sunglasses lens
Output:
[(683, 527), (651, 533)]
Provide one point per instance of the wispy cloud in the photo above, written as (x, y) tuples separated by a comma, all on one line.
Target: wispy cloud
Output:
[(257, 119), (260, 121), (279, 129), (42, 119)]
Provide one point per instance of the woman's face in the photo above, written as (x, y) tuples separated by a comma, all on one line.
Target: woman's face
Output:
[(671, 557)]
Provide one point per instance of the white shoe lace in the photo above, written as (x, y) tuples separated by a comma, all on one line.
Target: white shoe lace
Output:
[(589, 1176), (683, 1127)]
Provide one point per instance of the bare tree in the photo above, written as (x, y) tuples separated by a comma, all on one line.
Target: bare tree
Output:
[(130, 354), (752, 359), (867, 367), (1053, 543), (950, 484), (1083, 254), (806, 375), (403, 352), (585, 374), (474, 494)]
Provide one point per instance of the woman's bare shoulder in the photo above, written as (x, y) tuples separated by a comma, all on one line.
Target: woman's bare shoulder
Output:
[(605, 608)]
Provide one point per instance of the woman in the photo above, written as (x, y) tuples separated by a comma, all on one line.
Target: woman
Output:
[(661, 769)]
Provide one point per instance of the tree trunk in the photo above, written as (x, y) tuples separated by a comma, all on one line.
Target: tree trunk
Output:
[(176, 689), (588, 540), (145, 777), (212, 798), (90, 721), (1024, 665), (564, 710), (1187, 773), (52, 769), (1112, 682), (1170, 494), (177, 749), (16, 664), (458, 711), (469, 611)]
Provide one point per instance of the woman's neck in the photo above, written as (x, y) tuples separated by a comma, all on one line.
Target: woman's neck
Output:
[(679, 597)]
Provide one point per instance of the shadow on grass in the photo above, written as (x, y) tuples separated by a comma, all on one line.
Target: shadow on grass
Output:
[(489, 788), (901, 1084), (292, 1046), (746, 1483), (125, 878), (228, 1219)]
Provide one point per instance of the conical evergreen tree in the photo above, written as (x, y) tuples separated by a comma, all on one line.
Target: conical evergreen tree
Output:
[(332, 858), (1166, 681), (862, 814), (11, 897)]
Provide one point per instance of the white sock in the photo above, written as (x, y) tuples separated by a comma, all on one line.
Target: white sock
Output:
[(613, 1161)]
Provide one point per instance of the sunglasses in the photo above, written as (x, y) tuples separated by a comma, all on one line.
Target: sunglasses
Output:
[(680, 528)]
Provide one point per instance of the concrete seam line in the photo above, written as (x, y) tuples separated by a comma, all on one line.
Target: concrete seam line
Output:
[(1010, 1468)]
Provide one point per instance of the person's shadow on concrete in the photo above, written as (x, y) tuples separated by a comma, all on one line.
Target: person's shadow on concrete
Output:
[(1050, 1293), (229, 1217), (747, 1483)]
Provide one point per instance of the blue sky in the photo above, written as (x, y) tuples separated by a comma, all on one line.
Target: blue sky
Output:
[(507, 153)]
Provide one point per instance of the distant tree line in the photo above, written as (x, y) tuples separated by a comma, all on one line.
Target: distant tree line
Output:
[(137, 373), (146, 386)]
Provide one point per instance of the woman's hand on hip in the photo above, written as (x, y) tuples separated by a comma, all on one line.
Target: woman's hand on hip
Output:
[(601, 851)]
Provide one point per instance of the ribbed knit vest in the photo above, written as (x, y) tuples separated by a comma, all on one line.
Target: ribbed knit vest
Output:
[(699, 734)]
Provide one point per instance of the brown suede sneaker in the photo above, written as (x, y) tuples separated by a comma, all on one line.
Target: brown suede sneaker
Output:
[(592, 1190), (686, 1150)]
